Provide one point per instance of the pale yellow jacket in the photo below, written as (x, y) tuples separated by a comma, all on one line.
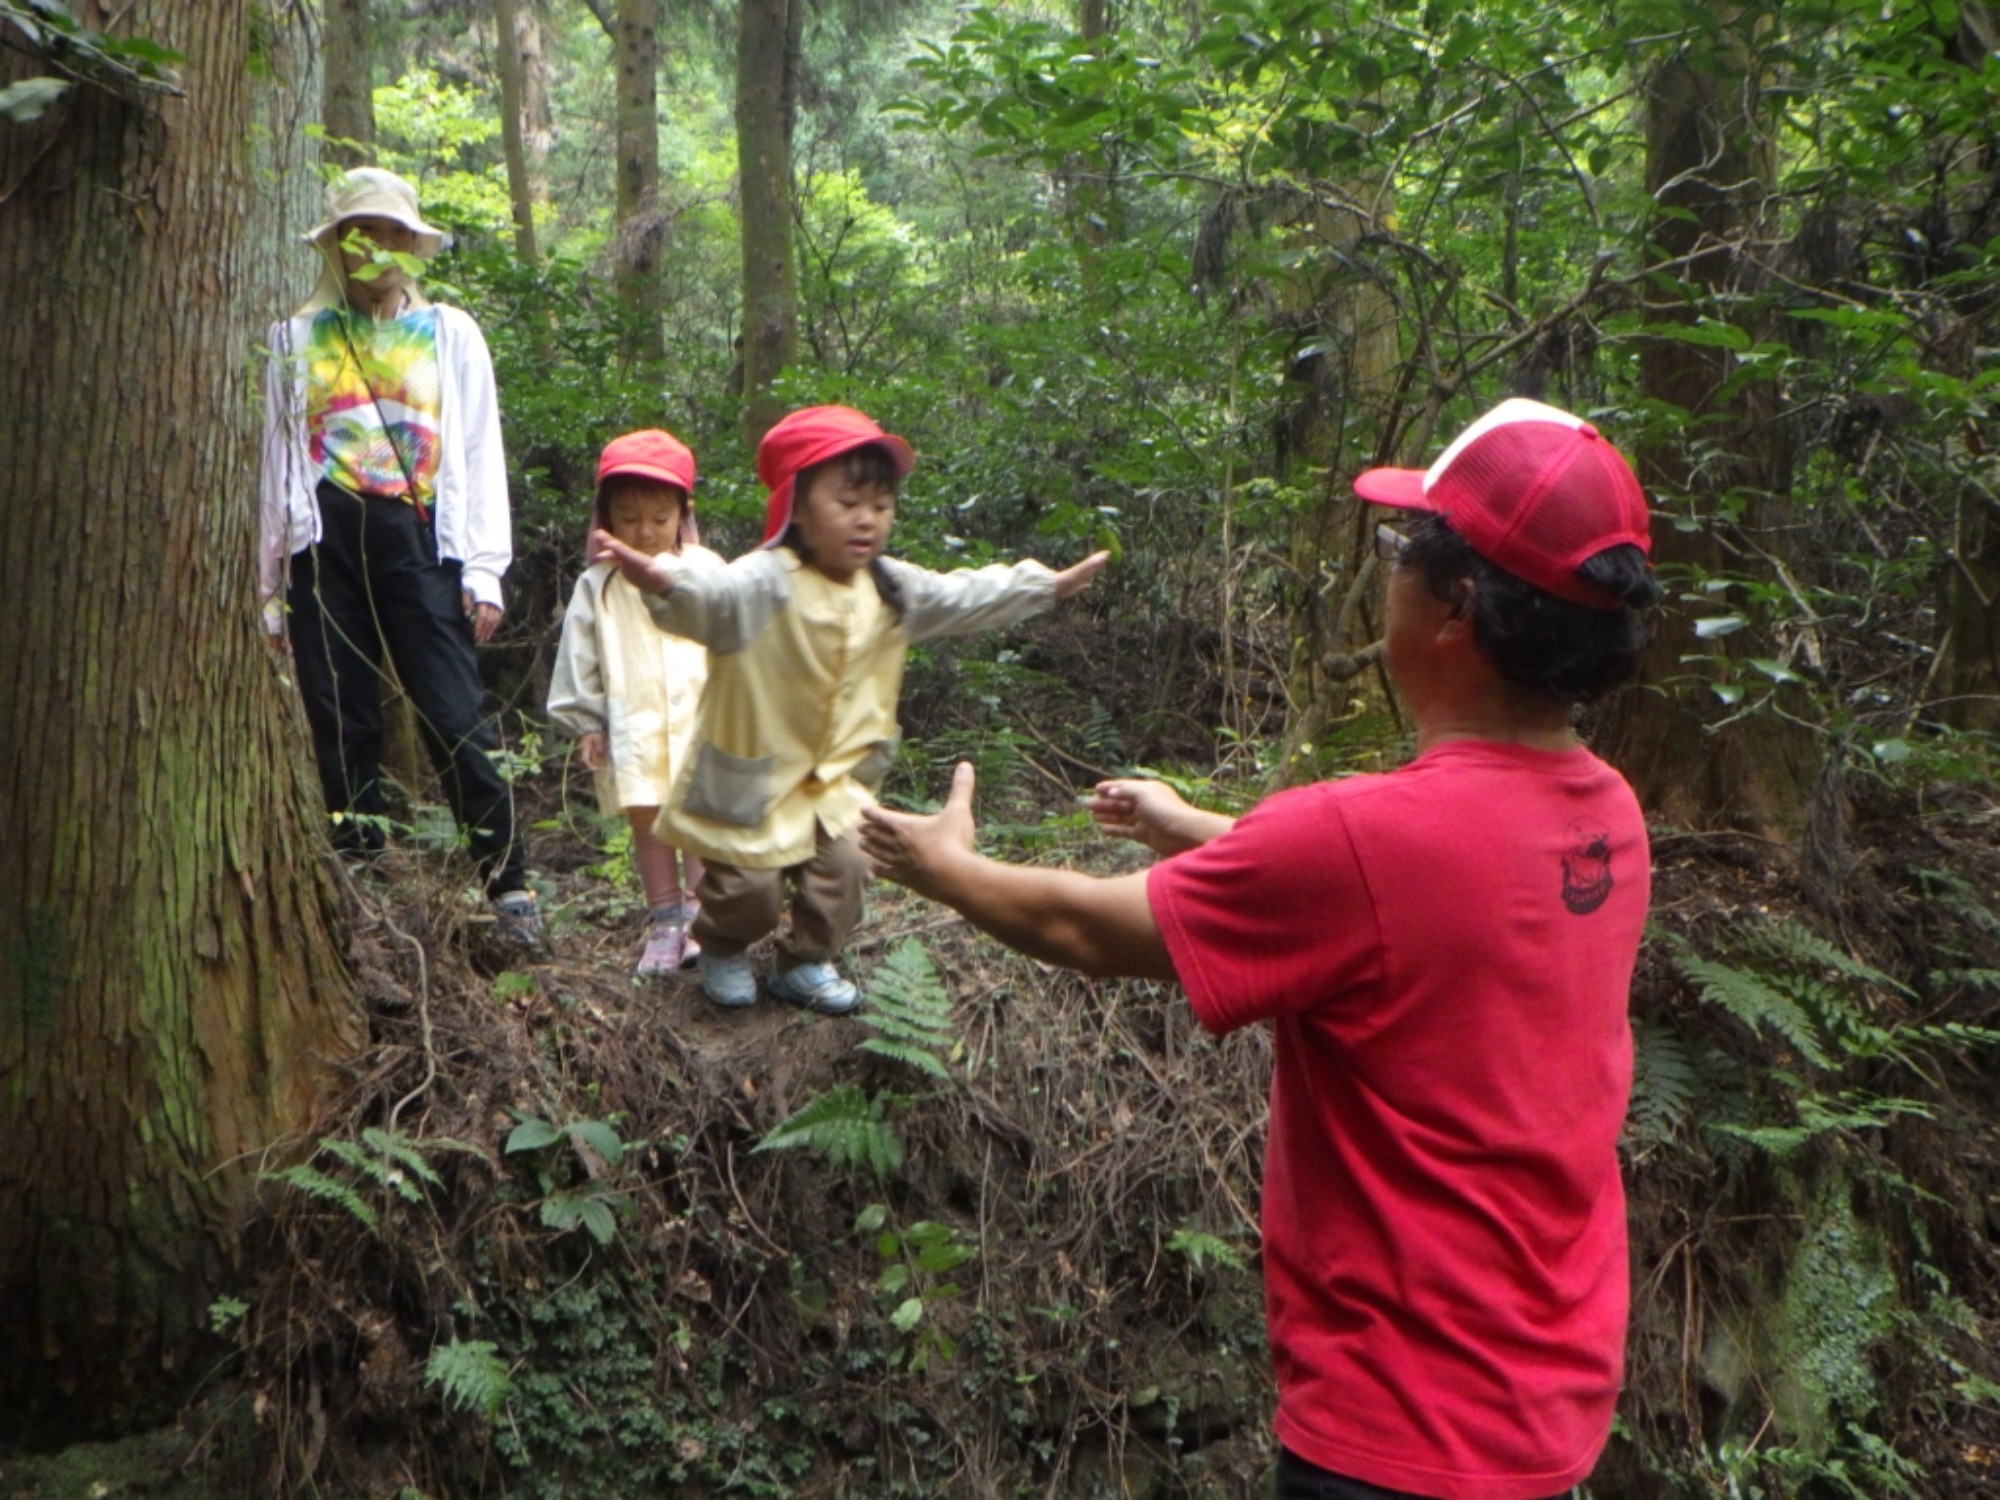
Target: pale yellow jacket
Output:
[(798, 721)]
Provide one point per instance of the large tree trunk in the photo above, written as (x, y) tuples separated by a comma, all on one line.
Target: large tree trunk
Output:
[(348, 54), (170, 989), (767, 60), (1341, 389), (1710, 167), (641, 228), (1968, 675)]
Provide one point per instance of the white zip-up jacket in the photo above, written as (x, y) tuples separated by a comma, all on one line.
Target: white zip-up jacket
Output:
[(469, 504)]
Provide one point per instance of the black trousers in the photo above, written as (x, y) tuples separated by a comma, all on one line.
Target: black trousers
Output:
[(371, 585), (1299, 1480)]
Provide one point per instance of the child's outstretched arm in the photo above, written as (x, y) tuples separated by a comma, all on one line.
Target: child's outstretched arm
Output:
[(1075, 578), (650, 575)]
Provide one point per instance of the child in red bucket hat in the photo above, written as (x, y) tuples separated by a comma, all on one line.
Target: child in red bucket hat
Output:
[(807, 637), (627, 691)]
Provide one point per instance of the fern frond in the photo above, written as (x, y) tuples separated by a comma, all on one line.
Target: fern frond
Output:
[(846, 1128), (472, 1376), (395, 1146), (1665, 1083), (316, 1184), (1977, 979), (910, 1011), (1793, 942), (1753, 1001)]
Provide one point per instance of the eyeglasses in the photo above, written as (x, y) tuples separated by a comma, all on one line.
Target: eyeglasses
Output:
[(1390, 544)]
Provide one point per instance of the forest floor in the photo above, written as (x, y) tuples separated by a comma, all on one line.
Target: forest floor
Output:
[(546, 1246)]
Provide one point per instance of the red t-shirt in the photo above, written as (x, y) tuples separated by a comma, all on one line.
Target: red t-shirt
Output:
[(1445, 953)]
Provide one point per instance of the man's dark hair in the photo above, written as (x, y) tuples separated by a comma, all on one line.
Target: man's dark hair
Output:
[(870, 466), (1567, 652)]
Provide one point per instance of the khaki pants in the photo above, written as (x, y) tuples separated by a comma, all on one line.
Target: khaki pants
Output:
[(740, 906)]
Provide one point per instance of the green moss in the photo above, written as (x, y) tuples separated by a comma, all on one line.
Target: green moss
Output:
[(1839, 1300)]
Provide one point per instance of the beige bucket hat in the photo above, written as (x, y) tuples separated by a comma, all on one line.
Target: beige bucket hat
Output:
[(363, 192)]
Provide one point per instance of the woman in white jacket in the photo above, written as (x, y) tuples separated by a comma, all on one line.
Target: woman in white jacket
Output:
[(385, 524)]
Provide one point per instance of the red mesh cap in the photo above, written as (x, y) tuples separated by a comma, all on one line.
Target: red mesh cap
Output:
[(1533, 490), (804, 438), (651, 454)]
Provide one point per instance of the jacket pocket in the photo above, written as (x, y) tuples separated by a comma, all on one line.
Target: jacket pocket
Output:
[(729, 788), (873, 766)]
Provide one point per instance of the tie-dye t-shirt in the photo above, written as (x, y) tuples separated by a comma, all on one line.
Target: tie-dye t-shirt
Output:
[(360, 373)]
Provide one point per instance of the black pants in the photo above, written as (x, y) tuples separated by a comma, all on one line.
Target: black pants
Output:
[(372, 584), (1299, 1480)]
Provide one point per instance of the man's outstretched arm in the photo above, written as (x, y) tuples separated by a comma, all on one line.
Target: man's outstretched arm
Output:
[(1099, 926)]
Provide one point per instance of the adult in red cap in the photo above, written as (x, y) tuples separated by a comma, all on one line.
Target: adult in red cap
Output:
[(629, 692), (807, 637), (1444, 955)]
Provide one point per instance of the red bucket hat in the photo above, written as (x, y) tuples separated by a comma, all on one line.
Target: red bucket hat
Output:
[(804, 438), (649, 454), (1533, 490)]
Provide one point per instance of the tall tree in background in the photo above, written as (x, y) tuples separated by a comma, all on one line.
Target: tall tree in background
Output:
[(1710, 168), (767, 62), (524, 118), (641, 227), (170, 990), (1968, 677), (347, 52)]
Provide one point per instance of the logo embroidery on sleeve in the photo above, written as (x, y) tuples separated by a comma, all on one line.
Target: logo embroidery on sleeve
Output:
[(1586, 867)]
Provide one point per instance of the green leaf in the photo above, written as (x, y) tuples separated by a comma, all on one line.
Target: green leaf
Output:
[(1708, 334), (29, 98), (597, 1218), (531, 1135), (1719, 625), (1776, 671), (601, 1138), (906, 1317)]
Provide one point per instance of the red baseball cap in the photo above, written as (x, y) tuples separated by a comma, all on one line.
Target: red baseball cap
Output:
[(651, 454), (1533, 490), (800, 440)]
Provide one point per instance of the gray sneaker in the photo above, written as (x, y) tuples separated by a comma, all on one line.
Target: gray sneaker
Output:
[(816, 986), (727, 980)]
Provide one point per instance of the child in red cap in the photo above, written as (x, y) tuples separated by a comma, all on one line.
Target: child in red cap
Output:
[(806, 638), (628, 691)]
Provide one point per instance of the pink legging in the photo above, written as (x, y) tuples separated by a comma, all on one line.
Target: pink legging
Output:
[(656, 860)]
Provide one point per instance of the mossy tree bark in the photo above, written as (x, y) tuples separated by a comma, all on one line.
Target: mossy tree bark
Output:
[(767, 62), (1968, 676), (642, 228), (171, 993), (1343, 371), (347, 52), (517, 47), (1710, 168)]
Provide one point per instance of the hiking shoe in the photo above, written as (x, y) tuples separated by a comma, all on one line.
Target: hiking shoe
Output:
[(518, 919), (817, 987), (728, 981), (666, 945)]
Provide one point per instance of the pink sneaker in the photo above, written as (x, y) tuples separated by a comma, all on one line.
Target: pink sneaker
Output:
[(666, 947), (692, 949)]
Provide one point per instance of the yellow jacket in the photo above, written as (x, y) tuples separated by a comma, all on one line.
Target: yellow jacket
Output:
[(798, 721)]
